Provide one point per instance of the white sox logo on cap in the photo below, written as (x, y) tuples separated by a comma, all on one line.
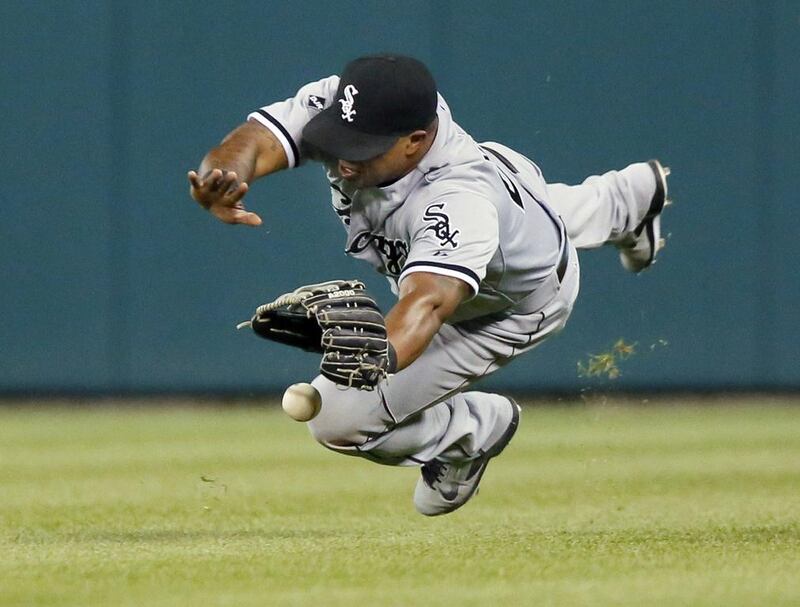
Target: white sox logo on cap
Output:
[(378, 99), (347, 103)]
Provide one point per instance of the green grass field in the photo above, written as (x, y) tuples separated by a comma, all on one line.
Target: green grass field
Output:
[(589, 505)]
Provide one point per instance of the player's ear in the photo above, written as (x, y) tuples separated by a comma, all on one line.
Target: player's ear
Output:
[(415, 140)]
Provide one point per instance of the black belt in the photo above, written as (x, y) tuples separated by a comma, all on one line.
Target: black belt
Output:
[(563, 262)]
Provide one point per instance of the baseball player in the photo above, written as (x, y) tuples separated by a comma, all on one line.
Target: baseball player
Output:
[(478, 247)]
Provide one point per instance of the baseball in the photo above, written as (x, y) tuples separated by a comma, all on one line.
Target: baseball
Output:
[(301, 402)]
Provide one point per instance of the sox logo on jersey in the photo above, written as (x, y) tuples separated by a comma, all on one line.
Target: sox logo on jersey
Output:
[(347, 103), (439, 224)]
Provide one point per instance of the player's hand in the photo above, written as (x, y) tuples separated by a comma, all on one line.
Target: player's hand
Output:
[(220, 192)]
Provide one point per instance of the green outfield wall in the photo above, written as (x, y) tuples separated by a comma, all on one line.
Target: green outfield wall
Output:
[(113, 280)]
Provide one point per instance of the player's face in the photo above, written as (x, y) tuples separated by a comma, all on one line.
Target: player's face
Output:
[(389, 166), (368, 173)]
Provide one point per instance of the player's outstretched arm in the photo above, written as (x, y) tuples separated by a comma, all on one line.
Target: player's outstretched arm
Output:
[(426, 301), (250, 151)]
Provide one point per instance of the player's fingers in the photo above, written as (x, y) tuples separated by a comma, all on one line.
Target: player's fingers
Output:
[(235, 195), (213, 179), (194, 179), (196, 189), (212, 175), (249, 219), (224, 214), (235, 215), (198, 186), (229, 182)]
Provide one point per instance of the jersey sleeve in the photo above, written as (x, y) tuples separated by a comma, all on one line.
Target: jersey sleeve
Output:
[(286, 119), (454, 236)]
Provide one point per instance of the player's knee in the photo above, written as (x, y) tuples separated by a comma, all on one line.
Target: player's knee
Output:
[(347, 418), (338, 423)]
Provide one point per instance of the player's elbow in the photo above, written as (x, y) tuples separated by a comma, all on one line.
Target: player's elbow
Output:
[(439, 296), (444, 308)]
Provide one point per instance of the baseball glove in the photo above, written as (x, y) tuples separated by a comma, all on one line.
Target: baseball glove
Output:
[(337, 319)]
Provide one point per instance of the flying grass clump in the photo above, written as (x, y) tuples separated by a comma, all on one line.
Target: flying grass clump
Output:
[(606, 364)]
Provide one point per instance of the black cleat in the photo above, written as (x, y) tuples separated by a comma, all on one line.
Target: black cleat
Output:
[(446, 486)]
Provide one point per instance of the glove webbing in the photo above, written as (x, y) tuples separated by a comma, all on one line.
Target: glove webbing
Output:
[(288, 299), (300, 295)]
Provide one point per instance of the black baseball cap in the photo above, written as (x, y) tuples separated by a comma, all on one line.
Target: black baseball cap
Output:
[(380, 99)]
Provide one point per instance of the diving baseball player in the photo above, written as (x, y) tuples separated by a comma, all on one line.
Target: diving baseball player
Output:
[(478, 247)]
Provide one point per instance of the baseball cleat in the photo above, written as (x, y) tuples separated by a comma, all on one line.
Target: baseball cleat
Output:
[(638, 250), (446, 486)]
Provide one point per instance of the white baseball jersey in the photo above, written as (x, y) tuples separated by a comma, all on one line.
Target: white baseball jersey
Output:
[(478, 212)]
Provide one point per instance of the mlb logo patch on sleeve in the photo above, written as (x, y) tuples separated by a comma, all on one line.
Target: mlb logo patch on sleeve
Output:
[(316, 102)]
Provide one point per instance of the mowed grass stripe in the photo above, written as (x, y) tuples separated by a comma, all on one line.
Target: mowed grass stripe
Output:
[(623, 505)]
